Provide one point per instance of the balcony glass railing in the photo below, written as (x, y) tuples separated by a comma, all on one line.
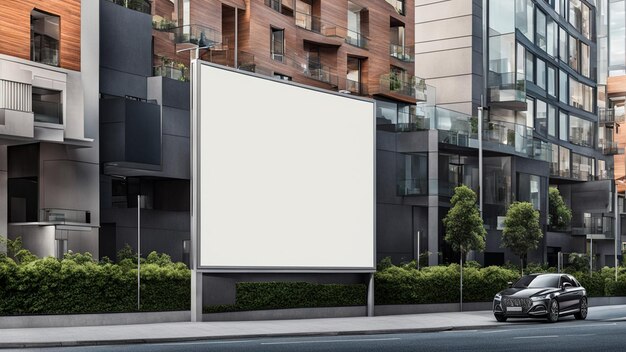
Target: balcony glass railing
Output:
[(507, 87), (355, 87), (402, 121), (313, 69), (409, 86), (176, 73), (197, 35), (398, 5), (66, 215), (518, 138), (402, 52), (595, 224), (412, 187), (137, 5), (163, 24), (609, 147), (317, 25), (357, 39)]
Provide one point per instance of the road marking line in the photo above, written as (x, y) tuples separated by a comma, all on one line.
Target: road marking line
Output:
[(536, 337), (327, 341), (615, 319), (451, 331), (499, 330), (200, 343)]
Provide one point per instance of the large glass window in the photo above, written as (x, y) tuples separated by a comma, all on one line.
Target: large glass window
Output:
[(47, 105), (530, 112), (551, 81), (563, 121), (584, 60), (581, 131), (540, 33), (523, 16), (582, 167), (552, 34), (563, 38), (551, 120), (277, 41), (529, 189), (541, 116), (564, 157), (563, 80), (530, 66), (541, 73), (581, 95), (586, 21), (575, 13), (412, 174), (44, 38), (554, 161), (617, 34), (573, 53)]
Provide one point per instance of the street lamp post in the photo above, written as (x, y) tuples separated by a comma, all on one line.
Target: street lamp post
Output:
[(138, 252)]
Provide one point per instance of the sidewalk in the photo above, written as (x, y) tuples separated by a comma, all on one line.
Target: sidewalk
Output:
[(168, 332)]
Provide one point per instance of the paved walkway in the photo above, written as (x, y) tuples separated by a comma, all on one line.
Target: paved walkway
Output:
[(141, 333)]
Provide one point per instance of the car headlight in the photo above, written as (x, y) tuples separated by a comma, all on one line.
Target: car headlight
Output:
[(539, 298), (498, 297)]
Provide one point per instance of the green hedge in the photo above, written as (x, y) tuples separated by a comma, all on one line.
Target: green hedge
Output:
[(280, 295), (78, 284)]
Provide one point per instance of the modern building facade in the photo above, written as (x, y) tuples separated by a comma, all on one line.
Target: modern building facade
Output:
[(536, 75), (49, 158)]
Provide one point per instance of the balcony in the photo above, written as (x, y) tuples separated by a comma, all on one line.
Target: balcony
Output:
[(197, 35), (403, 87), (608, 117), (402, 121), (309, 68), (283, 6), (356, 39), (610, 147), (507, 90), (398, 5), (317, 25), (596, 224), (65, 216), (357, 88), (163, 24), (179, 73), (402, 52), (137, 5)]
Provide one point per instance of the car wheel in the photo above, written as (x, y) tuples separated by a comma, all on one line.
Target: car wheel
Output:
[(584, 307), (553, 311), (499, 317)]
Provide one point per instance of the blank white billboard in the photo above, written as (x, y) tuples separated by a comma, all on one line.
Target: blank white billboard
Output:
[(286, 175)]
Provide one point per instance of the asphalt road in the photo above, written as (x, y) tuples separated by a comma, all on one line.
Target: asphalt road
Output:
[(604, 330)]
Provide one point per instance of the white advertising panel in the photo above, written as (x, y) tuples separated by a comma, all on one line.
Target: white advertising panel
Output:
[(285, 175)]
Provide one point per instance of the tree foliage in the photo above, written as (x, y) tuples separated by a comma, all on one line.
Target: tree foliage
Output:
[(559, 215), (521, 229), (463, 224)]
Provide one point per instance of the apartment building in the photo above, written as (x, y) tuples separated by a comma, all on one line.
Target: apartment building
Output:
[(537, 79), (362, 48), (49, 125)]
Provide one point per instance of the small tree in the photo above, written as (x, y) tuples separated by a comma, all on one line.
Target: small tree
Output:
[(464, 226), (521, 230), (559, 215)]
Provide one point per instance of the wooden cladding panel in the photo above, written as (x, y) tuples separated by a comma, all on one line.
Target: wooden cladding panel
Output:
[(15, 28)]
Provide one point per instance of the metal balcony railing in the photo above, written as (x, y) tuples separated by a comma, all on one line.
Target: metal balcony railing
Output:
[(66, 215), (406, 85), (402, 52), (610, 116), (357, 39), (610, 147), (137, 5), (176, 73)]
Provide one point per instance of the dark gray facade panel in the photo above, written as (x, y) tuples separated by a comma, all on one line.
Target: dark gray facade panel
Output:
[(175, 121), (125, 39), (121, 84), (176, 160), (176, 94), (143, 133), (113, 149), (394, 232)]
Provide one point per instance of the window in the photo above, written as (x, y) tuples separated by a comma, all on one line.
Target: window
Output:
[(584, 60), (554, 162), (44, 38), (617, 34), (581, 131), (277, 44), (354, 35), (563, 37), (581, 95), (282, 76), (552, 120), (575, 13), (524, 17), (540, 36), (541, 116), (586, 21), (563, 79), (47, 105), (564, 170), (582, 167), (530, 112), (552, 34), (530, 67), (529, 189), (573, 53), (412, 173), (541, 73), (563, 122), (551, 81)]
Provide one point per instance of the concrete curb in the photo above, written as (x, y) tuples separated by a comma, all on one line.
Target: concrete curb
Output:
[(250, 336)]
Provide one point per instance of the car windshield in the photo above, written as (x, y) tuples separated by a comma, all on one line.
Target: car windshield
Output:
[(538, 281)]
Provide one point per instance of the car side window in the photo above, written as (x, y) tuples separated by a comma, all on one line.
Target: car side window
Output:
[(574, 281), (564, 279)]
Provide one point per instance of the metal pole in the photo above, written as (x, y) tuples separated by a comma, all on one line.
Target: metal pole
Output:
[(370, 296), (237, 37), (616, 212), (138, 251), (591, 256), (461, 288), (418, 250)]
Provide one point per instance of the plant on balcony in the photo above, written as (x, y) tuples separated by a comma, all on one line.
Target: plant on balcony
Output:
[(395, 83), (164, 24), (184, 71), (522, 232), (559, 215)]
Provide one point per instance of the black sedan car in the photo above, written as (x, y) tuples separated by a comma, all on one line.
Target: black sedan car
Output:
[(542, 296)]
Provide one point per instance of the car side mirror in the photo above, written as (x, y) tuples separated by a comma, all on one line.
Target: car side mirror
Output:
[(566, 285), (510, 284)]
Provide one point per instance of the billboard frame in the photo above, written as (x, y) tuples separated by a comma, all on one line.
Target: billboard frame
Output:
[(196, 159)]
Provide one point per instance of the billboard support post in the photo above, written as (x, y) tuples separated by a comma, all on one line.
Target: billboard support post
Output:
[(196, 296), (370, 296)]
